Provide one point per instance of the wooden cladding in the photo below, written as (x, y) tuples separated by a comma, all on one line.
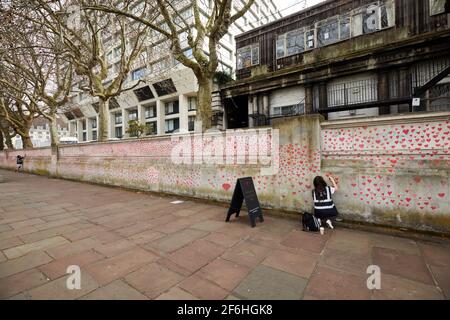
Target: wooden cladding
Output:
[(415, 16)]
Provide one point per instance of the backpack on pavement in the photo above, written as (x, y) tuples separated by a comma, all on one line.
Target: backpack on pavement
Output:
[(310, 222)]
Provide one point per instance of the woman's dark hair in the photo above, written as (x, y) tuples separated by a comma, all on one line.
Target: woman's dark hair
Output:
[(319, 188)]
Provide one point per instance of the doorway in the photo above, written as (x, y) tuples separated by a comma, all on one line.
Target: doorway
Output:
[(236, 109)]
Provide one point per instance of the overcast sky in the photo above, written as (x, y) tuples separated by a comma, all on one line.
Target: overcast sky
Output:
[(290, 6)]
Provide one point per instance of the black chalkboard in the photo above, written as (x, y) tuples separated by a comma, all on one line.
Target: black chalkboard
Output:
[(245, 190)]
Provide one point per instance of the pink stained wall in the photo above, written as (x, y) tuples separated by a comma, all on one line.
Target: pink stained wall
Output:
[(392, 173), (390, 170)]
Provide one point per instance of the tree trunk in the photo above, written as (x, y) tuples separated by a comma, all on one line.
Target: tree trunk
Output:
[(204, 111), (54, 132), (26, 141), (1, 141), (4, 127), (103, 119), (8, 141)]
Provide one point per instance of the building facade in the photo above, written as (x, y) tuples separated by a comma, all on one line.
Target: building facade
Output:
[(40, 133), (164, 92), (343, 59)]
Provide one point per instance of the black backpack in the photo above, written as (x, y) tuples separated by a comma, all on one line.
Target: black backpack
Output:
[(310, 222)]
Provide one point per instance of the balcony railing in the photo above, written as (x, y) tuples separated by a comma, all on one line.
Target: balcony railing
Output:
[(352, 92), (279, 112)]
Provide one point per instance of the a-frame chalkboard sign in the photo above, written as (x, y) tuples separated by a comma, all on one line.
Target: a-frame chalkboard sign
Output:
[(245, 190)]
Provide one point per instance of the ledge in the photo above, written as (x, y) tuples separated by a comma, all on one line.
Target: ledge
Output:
[(386, 119)]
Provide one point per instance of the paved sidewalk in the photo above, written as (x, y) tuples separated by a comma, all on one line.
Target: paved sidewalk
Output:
[(132, 245)]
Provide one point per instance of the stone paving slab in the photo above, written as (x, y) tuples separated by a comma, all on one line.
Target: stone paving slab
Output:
[(21, 250), (133, 245), (265, 283), (117, 290)]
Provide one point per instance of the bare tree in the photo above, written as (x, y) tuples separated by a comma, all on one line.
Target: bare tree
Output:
[(199, 30), (86, 34), (37, 57), (18, 111), (6, 133)]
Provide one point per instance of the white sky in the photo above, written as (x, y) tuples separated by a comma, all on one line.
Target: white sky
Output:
[(288, 7)]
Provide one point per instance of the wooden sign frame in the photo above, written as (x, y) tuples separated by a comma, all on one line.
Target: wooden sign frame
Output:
[(245, 190)]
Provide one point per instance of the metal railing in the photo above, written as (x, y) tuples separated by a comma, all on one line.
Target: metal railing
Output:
[(352, 92)]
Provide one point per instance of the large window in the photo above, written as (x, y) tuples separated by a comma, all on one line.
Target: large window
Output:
[(344, 27), (150, 112), (192, 103), (171, 107), (248, 56), (172, 125), (119, 132), (118, 118), (363, 20), (191, 123), (133, 115), (138, 73), (151, 128), (327, 32), (164, 87), (144, 93), (295, 42)]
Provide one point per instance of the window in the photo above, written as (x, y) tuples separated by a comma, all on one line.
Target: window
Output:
[(289, 110), (376, 16), (138, 73), (150, 112), (255, 55), (344, 27), (171, 107), (94, 123), (133, 115), (164, 87), (362, 20), (84, 136), (113, 104), (295, 42), (119, 132), (280, 46), (248, 56), (437, 7), (310, 39), (118, 118), (172, 125), (191, 123), (327, 32), (84, 124), (151, 128), (144, 93), (192, 103), (94, 135)]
